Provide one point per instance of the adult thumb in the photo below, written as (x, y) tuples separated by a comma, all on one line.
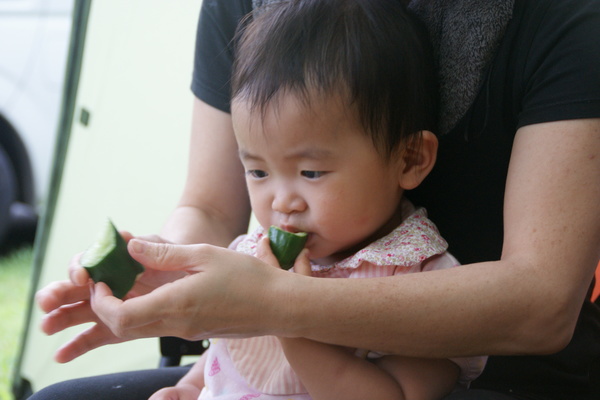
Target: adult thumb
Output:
[(164, 256)]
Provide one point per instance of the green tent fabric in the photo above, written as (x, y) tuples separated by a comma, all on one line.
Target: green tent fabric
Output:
[(122, 153)]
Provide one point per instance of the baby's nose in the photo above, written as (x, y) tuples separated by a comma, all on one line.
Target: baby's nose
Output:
[(287, 202)]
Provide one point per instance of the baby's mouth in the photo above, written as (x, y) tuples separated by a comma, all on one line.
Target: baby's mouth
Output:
[(291, 228), (294, 229)]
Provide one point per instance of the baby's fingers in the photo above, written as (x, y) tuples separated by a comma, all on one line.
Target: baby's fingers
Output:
[(168, 393), (302, 264), (185, 392), (264, 253)]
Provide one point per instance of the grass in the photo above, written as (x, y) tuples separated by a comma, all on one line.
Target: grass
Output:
[(15, 271)]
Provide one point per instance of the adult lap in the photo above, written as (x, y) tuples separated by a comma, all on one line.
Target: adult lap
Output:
[(132, 385)]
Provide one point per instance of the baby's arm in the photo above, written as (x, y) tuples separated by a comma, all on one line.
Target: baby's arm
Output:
[(188, 387), (332, 372), (421, 378)]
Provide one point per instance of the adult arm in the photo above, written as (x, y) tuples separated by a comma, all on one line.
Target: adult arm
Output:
[(208, 211), (527, 302), (214, 207)]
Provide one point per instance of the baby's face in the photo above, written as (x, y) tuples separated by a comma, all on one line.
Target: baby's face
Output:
[(315, 170)]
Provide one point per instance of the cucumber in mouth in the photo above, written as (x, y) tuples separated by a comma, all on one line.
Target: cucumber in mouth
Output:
[(286, 245)]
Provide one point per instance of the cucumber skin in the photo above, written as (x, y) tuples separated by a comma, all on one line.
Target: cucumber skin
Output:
[(117, 269), (286, 246)]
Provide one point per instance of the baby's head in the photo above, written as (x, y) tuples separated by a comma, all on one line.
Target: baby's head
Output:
[(332, 104), (370, 53)]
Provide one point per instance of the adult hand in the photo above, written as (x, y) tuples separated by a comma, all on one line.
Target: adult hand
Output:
[(67, 304), (222, 296)]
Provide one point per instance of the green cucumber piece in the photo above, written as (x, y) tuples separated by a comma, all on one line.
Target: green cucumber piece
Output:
[(286, 245), (107, 260)]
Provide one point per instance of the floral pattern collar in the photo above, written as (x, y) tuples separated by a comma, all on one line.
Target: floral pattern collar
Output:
[(412, 242)]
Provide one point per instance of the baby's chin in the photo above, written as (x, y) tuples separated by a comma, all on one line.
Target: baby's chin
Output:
[(327, 258), (321, 254)]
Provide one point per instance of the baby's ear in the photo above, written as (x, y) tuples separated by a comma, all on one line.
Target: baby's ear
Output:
[(417, 160)]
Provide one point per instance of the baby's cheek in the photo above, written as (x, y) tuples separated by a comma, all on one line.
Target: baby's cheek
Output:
[(340, 235)]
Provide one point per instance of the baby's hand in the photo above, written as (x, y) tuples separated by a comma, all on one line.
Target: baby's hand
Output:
[(179, 392), (302, 264), (264, 253)]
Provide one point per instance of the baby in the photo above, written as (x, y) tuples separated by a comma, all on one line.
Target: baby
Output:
[(333, 103)]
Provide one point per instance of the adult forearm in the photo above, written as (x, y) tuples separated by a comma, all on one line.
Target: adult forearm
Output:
[(190, 224), (214, 207), (527, 302), (488, 308)]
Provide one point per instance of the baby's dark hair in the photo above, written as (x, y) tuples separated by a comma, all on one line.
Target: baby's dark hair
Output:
[(374, 52)]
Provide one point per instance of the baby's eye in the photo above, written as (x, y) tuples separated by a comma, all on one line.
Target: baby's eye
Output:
[(312, 174), (257, 173)]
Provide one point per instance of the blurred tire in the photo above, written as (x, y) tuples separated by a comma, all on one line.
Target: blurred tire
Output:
[(8, 194)]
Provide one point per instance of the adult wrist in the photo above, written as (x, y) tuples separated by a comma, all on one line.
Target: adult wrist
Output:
[(289, 303)]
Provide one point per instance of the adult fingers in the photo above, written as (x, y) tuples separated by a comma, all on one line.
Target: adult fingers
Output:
[(207, 303), (167, 256), (67, 316), (126, 235), (90, 339), (60, 293), (150, 238), (77, 274), (131, 319)]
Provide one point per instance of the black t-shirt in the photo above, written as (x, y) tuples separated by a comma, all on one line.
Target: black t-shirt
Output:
[(545, 69), (214, 52)]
